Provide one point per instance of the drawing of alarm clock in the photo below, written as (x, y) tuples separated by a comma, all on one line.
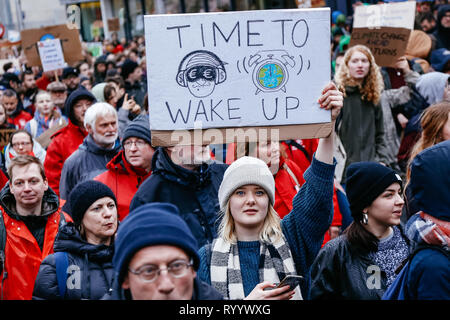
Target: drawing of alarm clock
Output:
[(270, 72)]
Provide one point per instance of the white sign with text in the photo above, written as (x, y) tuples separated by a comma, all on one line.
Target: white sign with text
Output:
[(394, 15), (237, 69), (51, 54)]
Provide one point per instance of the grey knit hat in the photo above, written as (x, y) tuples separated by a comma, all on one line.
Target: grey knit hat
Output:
[(244, 171)]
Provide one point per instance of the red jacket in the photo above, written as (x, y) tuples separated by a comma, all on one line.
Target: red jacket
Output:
[(124, 180), (64, 142), (286, 186), (21, 119), (298, 156), (23, 256)]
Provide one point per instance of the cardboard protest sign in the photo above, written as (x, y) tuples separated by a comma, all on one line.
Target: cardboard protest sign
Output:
[(262, 70), (385, 29), (51, 54), (4, 137), (70, 43), (114, 24)]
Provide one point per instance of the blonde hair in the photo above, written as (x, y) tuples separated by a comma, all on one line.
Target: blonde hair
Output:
[(372, 85), (270, 231)]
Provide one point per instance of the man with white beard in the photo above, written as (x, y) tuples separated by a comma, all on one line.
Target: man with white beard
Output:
[(98, 148)]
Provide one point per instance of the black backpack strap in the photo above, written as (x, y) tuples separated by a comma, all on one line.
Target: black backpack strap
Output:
[(300, 147)]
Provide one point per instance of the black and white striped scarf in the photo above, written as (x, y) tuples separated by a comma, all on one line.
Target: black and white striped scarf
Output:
[(275, 263)]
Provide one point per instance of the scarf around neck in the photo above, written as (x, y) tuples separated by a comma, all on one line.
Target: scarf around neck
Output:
[(275, 263), (423, 228)]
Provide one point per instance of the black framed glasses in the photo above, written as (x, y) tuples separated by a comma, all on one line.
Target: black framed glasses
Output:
[(149, 273)]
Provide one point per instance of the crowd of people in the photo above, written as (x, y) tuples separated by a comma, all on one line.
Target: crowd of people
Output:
[(90, 209)]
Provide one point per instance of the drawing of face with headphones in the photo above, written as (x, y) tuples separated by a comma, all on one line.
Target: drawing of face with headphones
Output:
[(200, 71)]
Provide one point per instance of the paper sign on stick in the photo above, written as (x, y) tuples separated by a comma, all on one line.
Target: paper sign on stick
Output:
[(51, 54), (255, 69), (385, 29), (70, 43)]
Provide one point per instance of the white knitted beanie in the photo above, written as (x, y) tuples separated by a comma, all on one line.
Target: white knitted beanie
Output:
[(244, 171)]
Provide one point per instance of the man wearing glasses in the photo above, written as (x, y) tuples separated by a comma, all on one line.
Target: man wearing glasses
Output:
[(156, 257), (131, 166)]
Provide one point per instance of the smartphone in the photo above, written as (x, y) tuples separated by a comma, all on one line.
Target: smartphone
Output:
[(291, 280)]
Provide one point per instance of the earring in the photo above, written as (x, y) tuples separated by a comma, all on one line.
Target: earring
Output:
[(365, 219)]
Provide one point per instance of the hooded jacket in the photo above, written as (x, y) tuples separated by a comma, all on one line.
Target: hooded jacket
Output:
[(65, 141), (195, 193), (92, 265), (85, 164), (38, 152), (429, 188), (28, 241), (442, 34), (124, 180)]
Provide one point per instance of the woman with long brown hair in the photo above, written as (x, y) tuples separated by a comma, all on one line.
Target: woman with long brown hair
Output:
[(360, 125)]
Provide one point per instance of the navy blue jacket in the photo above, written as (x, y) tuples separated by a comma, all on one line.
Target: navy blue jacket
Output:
[(429, 276), (91, 270), (195, 193)]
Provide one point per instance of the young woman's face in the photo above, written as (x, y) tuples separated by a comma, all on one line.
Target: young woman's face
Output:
[(249, 205), (269, 152), (44, 104), (358, 65), (386, 210)]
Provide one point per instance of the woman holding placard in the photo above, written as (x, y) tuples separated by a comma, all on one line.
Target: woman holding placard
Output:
[(255, 249), (360, 125)]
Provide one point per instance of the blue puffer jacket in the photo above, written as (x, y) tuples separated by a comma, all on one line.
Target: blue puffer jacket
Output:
[(195, 193), (86, 163), (91, 267)]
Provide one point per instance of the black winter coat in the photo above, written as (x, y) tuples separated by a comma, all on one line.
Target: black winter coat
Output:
[(90, 271), (341, 271), (195, 193)]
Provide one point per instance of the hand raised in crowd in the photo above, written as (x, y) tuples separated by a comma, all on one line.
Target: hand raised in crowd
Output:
[(131, 105), (332, 99), (403, 64), (258, 293)]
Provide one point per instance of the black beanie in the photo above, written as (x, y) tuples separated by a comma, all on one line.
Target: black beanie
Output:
[(365, 182), (139, 128), (149, 225), (128, 67), (84, 195)]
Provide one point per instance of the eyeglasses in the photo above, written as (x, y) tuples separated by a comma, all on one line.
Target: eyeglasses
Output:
[(149, 273), (138, 143), (21, 144)]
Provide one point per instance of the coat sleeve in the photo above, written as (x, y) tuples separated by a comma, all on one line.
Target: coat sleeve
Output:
[(312, 214), (324, 272), (53, 165), (46, 284), (66, 182)]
